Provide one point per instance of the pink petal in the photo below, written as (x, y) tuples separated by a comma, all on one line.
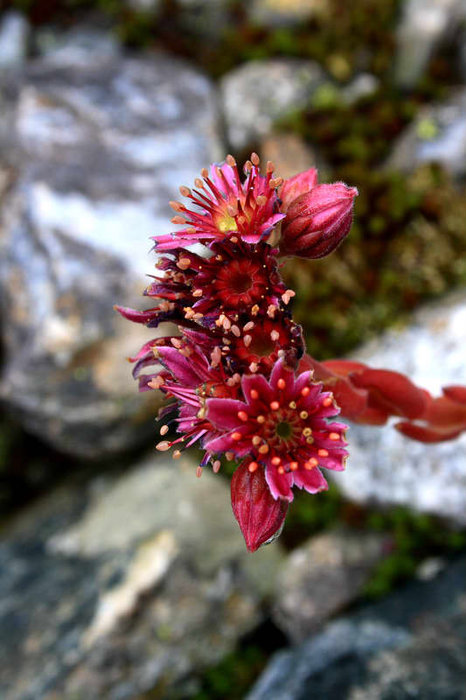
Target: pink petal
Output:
[(223, 413), (279, 484), (311, 480)]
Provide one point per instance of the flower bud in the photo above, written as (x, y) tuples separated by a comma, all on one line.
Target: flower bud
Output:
[(295, 186), (317, 221)]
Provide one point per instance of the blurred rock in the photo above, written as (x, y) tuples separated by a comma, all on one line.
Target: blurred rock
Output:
[(128, 585), (259, 93), (77, 47), (424, 24), (97, 149), (437, 135), (14, 37), (208, 19), (152, 6), (323, 576), (386, 468), (278, 13), (363, 85), (290, 154), (408, 646)]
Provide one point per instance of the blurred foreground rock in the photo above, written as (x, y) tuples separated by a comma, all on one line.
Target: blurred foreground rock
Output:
[(386, 468), (129, 585), (437, 135), (323, 576), (96, 145), (409, 646), (259, 93)]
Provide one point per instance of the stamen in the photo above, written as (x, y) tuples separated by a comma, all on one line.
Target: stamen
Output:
[(242, 415), (328, 401), (230, 456), (236, 436), (253, 367), (185, 191), (334, 436), (294, 466), (176, 454), (236, 331), (260, 419), (176, 206), (275, 461), (231, 161), (292, 405), (281, 470), (249, 326), (322, 453), (274, 405), (281, 383), (307, 432), (199, 472), (255, 310), (263, 449), (255, 158), (216, 466), (164, 430), (197, 293), (254, 394), (305, 391), (247, 340), (163, 446), (252, 467), (271, 311), (303, 415), (256, 440), (274, 335)]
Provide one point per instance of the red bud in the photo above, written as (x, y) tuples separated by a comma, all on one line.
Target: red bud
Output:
[(296, 186), (259, 515), (318, 221)]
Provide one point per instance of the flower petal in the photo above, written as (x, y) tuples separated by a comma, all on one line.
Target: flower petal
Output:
[(311, 480)]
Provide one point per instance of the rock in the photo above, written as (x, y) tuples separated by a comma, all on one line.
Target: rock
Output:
[(386, 468), (14, 37), (149, 6), (409, 646), (278, 13), (259, 93), (126, 585), (97, 147), (437, 135), (363, 85), (77, 47), (208, 19), (323, 576), (423, 26), (290, 154)]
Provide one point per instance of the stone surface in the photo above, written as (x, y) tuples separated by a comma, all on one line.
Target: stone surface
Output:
[(437, 135), (363, 85), (14, 37), (386, 468), (259, 93), (424, 24), (77, 47), (126, 585), (290, 154), (96, 147), (273, 13), (409, 646), (323, 576)]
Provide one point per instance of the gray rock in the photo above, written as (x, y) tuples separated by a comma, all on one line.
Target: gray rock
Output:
[(423, 26), (77, 47), (128, 585), (278, 13), (149, 6), (95, 149), (408, 646), (363, 85), (437, 135), (259, 93), (207, 19), (386, 468), (323, 576), (14, 37)]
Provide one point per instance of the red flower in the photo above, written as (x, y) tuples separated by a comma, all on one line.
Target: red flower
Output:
[(282, 427), (229, 208), (317, 221)]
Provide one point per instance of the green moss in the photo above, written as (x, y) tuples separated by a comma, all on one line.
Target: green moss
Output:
[(232, 678)]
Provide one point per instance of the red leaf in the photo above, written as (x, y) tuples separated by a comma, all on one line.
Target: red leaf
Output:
[(425, 434), (392, 392), (259, 515), (455, 393)]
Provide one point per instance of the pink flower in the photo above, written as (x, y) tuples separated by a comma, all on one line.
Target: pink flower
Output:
[(282, 428), (317, 221), (226, 207)]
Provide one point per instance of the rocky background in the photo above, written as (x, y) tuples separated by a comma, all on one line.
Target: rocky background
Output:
[(123, 576)]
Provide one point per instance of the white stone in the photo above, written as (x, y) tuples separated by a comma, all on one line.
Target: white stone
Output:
[(14, 35)]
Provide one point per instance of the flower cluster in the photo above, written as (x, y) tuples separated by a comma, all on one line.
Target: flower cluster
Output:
[(241, 382)]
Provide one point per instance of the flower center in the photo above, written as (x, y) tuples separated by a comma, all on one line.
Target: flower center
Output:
[(226, 223), (241, 282), (283, 430)]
